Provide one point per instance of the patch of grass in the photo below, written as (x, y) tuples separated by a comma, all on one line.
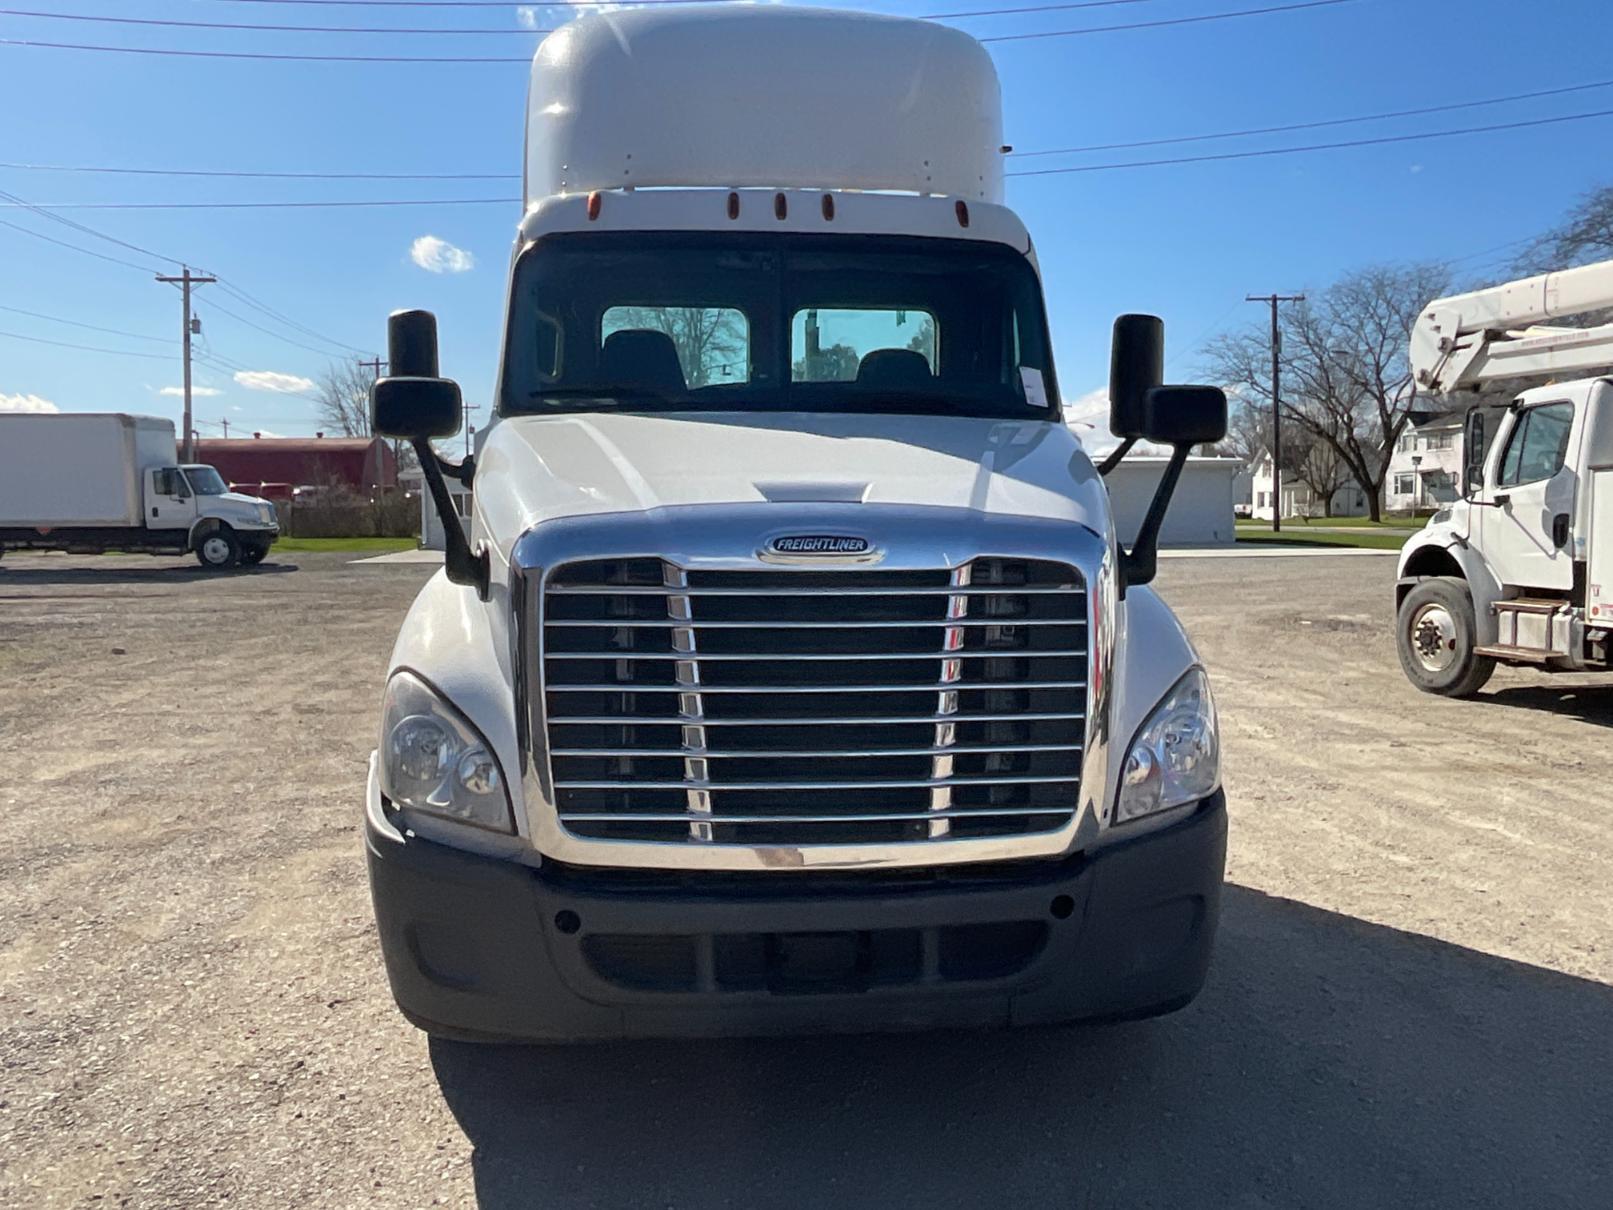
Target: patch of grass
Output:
[(378, 546), (1300, 526), (1390, 539)]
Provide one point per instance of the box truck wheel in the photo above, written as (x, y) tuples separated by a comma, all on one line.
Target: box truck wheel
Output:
[(219, 549), (1436, 636), (252, 553)]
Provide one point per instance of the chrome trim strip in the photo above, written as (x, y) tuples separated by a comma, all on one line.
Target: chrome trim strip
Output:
[(654, 624), (691, 710), (946, 733)]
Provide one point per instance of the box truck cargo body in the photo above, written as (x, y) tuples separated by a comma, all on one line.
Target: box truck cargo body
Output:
[(94, 481)]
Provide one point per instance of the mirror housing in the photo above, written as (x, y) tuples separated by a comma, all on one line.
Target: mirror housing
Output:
[(415, 408), (412, 401), (1473, 451), (1136, 366), (1184, 415)]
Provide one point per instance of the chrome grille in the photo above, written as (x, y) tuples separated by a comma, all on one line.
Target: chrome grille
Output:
[(789, 707)]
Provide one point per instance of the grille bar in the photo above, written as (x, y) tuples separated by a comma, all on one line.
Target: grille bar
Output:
[(867, 783), (788, 657), (930, 687), (930, 691), (834, 720), (631, 590), (659, 817), (819, 753)]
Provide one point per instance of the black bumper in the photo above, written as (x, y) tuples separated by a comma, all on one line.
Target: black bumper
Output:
[(485, 949)]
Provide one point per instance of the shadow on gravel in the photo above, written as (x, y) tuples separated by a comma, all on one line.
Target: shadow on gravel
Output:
[(13, 575), (1329, 1062), (1588, 703)]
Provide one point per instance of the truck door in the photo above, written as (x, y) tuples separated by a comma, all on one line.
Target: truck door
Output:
[(1527, 536), (169, 502)]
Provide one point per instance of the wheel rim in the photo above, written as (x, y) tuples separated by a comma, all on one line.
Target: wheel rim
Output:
[(1433, 638), (215, 550)]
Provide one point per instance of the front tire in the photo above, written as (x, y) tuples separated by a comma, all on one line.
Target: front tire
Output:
[(251, 556), (1436, 635), (219, 550)]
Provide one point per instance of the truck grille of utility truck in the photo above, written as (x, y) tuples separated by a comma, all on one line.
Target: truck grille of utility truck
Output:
[(814, 707)]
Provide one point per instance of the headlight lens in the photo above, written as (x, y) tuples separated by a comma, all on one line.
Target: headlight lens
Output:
[(1176, 757), (433, 760)]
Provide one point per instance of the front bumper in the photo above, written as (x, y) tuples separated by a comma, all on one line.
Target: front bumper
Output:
[(481, 948)]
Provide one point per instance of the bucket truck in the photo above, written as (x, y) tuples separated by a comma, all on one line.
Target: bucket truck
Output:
[(1519, 570)]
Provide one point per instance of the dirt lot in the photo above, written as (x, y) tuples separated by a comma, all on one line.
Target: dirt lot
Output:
[(1410, 1004)]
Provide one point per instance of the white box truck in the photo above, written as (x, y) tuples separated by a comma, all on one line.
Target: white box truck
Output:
[(791, 674), (87, 482)]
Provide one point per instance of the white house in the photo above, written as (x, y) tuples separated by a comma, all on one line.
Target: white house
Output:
[(1298, 499), (1426, 468)]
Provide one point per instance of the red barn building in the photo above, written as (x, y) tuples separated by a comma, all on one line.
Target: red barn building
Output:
[(280, 464)]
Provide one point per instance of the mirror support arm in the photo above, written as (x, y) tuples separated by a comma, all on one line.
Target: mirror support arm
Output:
[(1115, 456), (460, 564), (1138, 565)]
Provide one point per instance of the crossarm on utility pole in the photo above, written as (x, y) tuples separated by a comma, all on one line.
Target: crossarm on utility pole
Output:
[(185, 281)]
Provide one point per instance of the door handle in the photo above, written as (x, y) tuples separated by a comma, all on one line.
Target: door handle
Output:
[(153, 510), (1559, 530), (1503, 500)]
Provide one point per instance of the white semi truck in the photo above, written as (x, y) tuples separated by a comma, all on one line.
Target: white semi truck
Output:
[(791, 674), (88, 482), (1520, 569)]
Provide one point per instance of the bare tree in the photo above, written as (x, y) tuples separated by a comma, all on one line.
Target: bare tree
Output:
[(1344, 363), (1584, 235), (343, 392), (710, 341)]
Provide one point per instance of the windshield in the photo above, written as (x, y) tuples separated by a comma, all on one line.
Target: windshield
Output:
[(748, 322), (205, 481)]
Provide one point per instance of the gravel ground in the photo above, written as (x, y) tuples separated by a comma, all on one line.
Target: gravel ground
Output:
[(1410, 1002)]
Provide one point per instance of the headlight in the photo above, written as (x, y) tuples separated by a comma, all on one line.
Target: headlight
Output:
[(433, 760), (266, 514), (1176, 757)]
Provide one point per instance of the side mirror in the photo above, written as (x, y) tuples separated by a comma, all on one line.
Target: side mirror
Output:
[(1473, 451), (1184, 415), (1136, 366), (412, 401), (415, 408)]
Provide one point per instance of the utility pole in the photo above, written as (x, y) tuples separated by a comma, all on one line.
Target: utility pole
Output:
[(185, 281), (470, 429), (1276, 403), (373, 365), (226, 423)]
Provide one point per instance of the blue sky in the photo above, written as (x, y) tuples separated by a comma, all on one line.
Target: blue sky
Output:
[(1186, 241)]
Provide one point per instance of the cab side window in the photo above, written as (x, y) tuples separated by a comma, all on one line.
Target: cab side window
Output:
[(1538, 446), (165, 482)]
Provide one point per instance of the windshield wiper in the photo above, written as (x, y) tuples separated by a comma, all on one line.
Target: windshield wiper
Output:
[(617, 394)]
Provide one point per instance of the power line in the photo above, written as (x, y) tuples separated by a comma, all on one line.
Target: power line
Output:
[(505, 4), (504, 30), (270, 56), (269, 176), (267, 331), (1370, 117), (116, 260), (1197, 159), (62, 344), (264, 308), (43, 212), (90, 327), (1245, 155)]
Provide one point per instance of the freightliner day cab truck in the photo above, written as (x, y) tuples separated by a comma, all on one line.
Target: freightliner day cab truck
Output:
[(88, 482), (1520, 569), (791, 674)]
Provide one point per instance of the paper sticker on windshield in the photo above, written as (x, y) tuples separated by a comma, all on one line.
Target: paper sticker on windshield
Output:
[(1035, 392)]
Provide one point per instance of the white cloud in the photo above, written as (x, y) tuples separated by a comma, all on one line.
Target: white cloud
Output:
[(273, 380), (196, 392), (1416, 168), (439, 256), (1088, 415), (526, 17), (26, 403)]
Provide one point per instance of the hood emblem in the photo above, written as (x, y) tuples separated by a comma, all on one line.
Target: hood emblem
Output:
[(818, 544)]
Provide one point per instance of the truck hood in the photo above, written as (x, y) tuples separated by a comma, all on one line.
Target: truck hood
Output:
[(534, 468)]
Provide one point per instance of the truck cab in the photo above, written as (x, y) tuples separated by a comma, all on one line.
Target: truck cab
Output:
[(790, 674), (1519, 570), (222, 527)]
